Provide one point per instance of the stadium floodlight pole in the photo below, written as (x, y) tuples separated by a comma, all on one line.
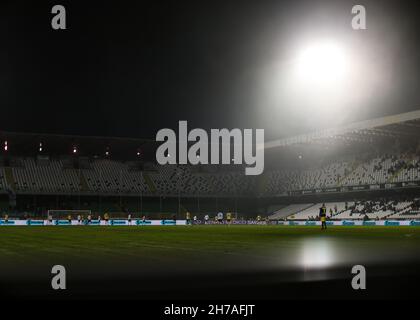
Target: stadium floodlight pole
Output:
[(78, 188), (236, 205), (179, 204), (141, 202), (179, 194), (34, 202), (100, 193), (235, 201), (100, 202), (119, 188)]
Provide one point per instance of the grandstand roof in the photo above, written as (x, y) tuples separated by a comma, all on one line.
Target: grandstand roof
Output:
[(403, 125), (28, 143), (400, 125)]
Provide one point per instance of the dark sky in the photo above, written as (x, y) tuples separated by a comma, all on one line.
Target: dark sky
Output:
[(130, 68)]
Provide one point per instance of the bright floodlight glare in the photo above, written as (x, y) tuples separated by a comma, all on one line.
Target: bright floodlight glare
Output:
[(324, 62), (317, 253)]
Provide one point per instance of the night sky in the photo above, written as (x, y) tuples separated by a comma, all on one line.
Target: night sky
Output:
[(130, 68)]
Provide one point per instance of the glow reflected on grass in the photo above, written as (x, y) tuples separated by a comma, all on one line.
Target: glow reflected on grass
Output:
[(317, 253)]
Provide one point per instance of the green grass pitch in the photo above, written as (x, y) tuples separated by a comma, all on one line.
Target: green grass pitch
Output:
[(47, 244), (201, 261)]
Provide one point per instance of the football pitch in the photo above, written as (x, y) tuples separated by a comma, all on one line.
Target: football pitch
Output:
[(217, 261)]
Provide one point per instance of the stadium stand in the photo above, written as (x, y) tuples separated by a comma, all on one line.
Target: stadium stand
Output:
[(291, 210), (28, 175), (383, 169), (171, 179), (110, 176), (336, 165), (116, 177), (311, 213), (3, 183), (359, 210), (407, 210), (107, 176), (44, 177), (370, 209)]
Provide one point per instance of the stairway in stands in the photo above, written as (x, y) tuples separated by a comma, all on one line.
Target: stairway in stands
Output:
[(83, 183), (396, 173), (10, 178), (354, 166), (262, 182), (149, 182), (290, 210)]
